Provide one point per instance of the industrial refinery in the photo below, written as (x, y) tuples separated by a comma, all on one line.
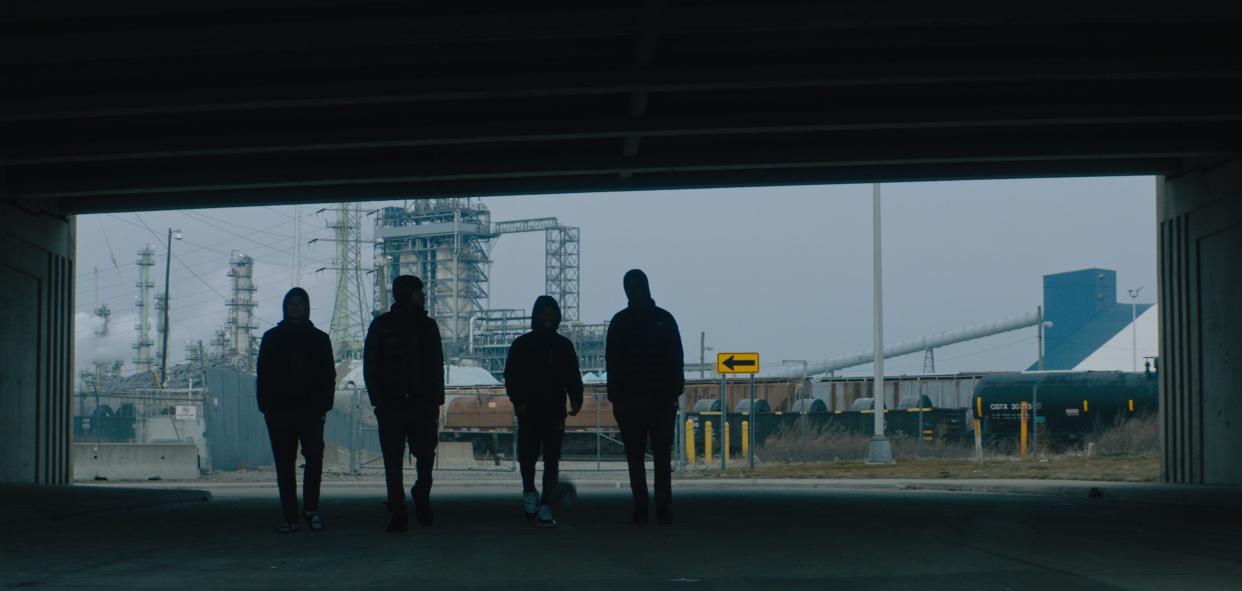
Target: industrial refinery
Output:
[(208, 401)]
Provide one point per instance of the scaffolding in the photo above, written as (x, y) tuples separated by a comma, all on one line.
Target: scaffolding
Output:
[(448, 244)]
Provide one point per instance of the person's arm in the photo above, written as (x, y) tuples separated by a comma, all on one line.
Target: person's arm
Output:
[(327, 361), (513, 374), (573, 379), (437, 359), (677, 359), (370, 357), (612, 364), (262, 381)]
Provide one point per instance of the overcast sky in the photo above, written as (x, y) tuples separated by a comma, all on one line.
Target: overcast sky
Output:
[(785, 271)]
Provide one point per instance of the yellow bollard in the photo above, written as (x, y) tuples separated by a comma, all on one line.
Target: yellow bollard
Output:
[(690, 441), (978, 442), (724, 443), (1022, 431), (745, 439), (707, 442)]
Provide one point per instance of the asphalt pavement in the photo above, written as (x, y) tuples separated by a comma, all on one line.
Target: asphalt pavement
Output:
[(726, 535)]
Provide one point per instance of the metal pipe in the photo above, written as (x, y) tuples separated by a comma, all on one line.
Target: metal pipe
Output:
[(907, 347)]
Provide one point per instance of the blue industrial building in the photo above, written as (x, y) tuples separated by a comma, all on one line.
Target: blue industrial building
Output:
[(1085, 314)]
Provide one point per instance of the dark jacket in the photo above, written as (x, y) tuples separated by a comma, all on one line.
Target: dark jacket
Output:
[(643, 354), (296, 369), (542, 368), (403, 364)]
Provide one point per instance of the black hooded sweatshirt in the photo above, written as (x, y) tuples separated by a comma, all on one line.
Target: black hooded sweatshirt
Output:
[(643, 355), (542, 368), (296, 369), (403, 364)]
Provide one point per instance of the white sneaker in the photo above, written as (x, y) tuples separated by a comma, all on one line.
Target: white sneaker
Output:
[(530, 503), (545, 517)]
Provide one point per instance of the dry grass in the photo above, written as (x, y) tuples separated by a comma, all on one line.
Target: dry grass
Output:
[(1128, 452), (1062, 467), (790, 445), (1138, 436)]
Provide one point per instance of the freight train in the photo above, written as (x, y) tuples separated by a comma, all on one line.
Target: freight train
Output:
[(1063, 406), (1071, 406)]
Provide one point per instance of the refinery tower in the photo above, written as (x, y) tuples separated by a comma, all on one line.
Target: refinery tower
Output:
[(448, 243)]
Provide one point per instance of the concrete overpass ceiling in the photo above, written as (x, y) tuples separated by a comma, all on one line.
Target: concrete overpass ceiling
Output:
[(166, 105)]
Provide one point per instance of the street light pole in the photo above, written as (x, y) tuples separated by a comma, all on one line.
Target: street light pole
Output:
[(1039, 332), (1134, 327), (879, 451)]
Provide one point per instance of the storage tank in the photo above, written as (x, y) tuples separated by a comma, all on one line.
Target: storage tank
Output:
[(1069, 403)]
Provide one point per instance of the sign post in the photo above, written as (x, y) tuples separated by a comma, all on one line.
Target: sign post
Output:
[(750, 433), (735, 363)]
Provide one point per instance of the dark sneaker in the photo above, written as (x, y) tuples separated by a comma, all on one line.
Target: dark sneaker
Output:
[(545, 517), (530, 503), (422, 506), (313, 521), (288, 527), (398, 524), (423, 512), (664, 517), (641, 518)]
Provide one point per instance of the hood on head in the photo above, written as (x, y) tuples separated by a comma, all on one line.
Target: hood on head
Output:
[(403, 287), (542, 302), (299, 293), (637, 290)]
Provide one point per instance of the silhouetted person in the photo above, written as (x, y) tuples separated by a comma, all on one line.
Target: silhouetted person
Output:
[(644, 359), (296, 386), (540, 374), (403, 366)]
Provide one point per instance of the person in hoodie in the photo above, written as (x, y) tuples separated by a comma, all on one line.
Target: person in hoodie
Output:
[(403, 367), (541, 374), (296, 386), (644, 361)]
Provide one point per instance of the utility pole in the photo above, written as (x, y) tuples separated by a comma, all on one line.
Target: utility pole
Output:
[(1134, 327), (297, 247), (702, 355), (880, 450), (167, 304)]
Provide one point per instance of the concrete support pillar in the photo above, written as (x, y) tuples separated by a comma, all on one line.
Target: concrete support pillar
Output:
[(36, 345), (1200, 265)]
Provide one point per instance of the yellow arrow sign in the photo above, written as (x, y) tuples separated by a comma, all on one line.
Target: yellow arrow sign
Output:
[(737, 363)]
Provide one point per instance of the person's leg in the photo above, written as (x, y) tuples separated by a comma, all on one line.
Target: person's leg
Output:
[(552, 435), (424, 435), (528, 452), (634, 438), (392, 446), (283, 435), (663, 430), (312, 452)]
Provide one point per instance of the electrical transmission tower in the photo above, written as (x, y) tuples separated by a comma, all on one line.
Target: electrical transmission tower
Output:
[(349, 312)]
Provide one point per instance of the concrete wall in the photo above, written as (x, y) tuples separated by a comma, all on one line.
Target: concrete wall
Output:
[(1200, 260), (167, 429), (135, 461), (36, 341)]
